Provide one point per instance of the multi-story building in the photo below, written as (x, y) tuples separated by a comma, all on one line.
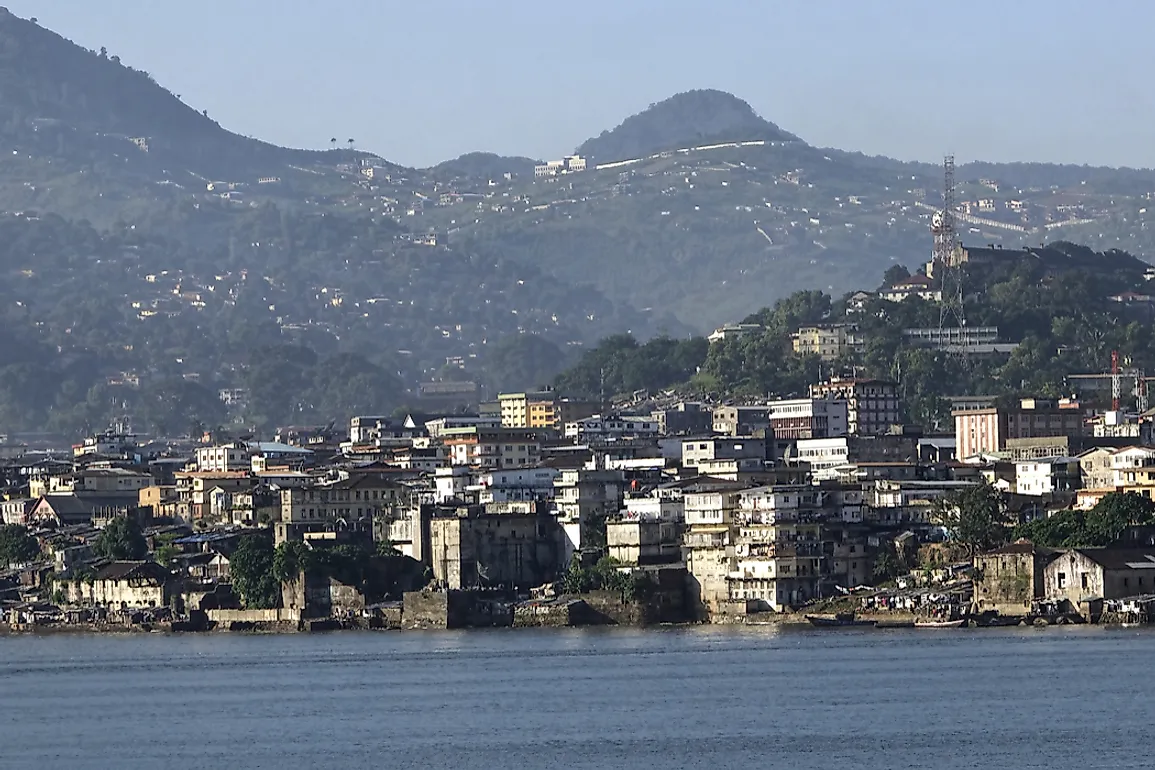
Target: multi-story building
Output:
[(541, 409), (709, 543), (777, 546), (516, 484), (492, 447), (597, 427), (583, 500), (1046, 476), (223, 458), (986, 431), (872, 405), (828, 341), (741, 420), (695, 451), (354, 499), (804, 418), (473, 548), (683, 418)]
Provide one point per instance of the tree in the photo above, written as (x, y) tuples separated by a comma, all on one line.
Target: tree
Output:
[(1101, 526), (975, 517), (17, 546), (894, 274), (251, 567), (121, 540)]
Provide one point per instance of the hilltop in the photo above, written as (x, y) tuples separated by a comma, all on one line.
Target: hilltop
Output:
[(58, 97), (144, 240), (684, 120)]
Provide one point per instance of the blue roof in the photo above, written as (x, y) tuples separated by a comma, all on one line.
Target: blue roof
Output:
[(276, 447), (203, 537)]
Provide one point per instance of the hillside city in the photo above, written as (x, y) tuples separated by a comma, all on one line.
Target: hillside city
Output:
[(694, 370)]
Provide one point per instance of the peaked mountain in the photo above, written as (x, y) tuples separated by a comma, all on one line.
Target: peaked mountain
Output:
[(60, 97), (684, 120)]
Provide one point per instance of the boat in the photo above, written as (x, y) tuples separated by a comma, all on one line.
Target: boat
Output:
[(840, 619), (884, 624), (940, 623)]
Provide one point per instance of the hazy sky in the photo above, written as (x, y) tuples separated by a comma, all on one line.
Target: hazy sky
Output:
[(421, 81)]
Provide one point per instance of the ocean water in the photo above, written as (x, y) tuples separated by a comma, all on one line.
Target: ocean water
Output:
[(703, 697)]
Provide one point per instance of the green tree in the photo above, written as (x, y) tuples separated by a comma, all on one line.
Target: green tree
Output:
[(251, 568), (291, 558), (122, 540), (1103, 525), (975, 517), (17, 546)]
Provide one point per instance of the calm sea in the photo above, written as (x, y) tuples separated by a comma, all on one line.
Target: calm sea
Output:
[(686, 698)]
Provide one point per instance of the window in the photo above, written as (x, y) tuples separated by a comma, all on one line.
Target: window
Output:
[(1084, 582), (1062, 580)]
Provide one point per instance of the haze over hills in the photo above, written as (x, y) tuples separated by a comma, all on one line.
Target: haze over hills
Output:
[(131, 215)]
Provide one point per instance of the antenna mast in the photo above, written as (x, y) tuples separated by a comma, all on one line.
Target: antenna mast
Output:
[(947, 259)]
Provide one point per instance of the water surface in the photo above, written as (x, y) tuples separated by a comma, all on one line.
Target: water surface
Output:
[(678, 698)]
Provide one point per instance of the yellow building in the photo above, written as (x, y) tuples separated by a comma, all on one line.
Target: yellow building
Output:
[(541, 409), (828, 342)]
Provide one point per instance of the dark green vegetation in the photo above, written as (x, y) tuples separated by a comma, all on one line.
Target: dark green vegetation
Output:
[(16, 545), (121, 539), (976, 518), (605, 576), (151, 258), (1063, 319), (1101, 526)]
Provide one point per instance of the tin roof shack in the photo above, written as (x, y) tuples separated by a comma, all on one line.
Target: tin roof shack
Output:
[(1083, 577), (125, 585), (1009, 579)]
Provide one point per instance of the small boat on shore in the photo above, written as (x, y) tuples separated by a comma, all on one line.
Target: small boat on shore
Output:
[(841, 619), (940, 623), (885, 624)]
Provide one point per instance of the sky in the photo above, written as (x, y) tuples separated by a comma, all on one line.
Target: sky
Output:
[(422, 81)]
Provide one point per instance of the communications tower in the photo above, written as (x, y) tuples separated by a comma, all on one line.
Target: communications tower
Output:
[(947, 257)]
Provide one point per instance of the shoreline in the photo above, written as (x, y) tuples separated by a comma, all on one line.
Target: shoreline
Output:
[(784, 620)]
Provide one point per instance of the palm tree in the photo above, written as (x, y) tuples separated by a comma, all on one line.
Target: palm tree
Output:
[(350, 141), (333, 143)]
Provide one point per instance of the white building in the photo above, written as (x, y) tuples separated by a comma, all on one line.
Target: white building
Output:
[(223, 458), (611, 426), (733, 331), (1126, 461), (824, 455), (809, 418), (1047, 475), (516, 484)]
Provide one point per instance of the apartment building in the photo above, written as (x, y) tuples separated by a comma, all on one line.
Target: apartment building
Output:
[(872, 405), (985, 431), (828, 341)]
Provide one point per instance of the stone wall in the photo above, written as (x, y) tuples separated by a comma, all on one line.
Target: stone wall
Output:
[(456, 609)]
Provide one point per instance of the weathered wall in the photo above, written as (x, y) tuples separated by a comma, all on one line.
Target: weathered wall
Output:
[(456, 609)]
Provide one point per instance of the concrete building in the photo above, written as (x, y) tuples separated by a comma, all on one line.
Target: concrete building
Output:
[(611, 427), (584, 499), (1048, 475), (351, 500), (1095, 468), (223, 458), (709, 545), (828, 341), (542, 409), (684, 418), (1083, 577), (640, 543), (777, 547), (493, 448), (502, 486), (986, 431), (741, 420), (474, 549), (696, 451), (872, 405), (915, 286), (806, 418), (733, 332), (1009, 579), (124, 585)]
